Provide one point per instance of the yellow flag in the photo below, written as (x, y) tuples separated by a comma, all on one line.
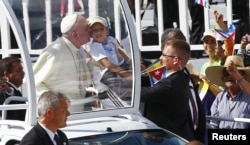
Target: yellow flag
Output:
[(152, 67), (203, 88)]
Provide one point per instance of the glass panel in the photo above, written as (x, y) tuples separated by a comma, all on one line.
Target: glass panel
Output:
[(41, 27), (35, 25), (120, 88), (144, 137)]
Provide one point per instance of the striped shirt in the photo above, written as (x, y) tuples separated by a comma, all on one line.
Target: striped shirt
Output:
[(225, 106)]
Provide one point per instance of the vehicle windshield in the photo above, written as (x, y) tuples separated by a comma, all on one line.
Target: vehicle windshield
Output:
[(40, 24), (142, 137)]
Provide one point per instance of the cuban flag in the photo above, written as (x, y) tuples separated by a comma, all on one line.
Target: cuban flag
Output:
[(153, 66), (203, 3), (231, 31), (157, 74), (225, 35)]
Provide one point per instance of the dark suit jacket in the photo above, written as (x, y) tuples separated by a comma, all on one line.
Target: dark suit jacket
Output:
[(38, 136), (168, 104), (200, 130), (13, 114), (164, 92)]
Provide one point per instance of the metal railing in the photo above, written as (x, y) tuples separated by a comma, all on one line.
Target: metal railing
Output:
[(230, 119)]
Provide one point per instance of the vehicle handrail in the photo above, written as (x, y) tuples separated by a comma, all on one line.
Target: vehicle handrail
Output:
[(211, 125), (14, 124), (13, 107), (15, 98), (83, 100), (232, 119), (86, 100)]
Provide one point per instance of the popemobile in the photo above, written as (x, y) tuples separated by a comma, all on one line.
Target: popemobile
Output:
[(27, 27)]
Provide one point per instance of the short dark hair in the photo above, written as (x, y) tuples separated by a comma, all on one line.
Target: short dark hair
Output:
[(6, 64), (172, 33)]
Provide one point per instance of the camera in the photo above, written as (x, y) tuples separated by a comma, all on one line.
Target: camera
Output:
[(248, 38), (247, 55)]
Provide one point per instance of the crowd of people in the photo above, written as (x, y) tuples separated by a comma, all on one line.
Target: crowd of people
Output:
[(220, 73), (85, 51)]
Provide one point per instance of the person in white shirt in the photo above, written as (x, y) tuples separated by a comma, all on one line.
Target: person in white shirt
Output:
[(62, 66)]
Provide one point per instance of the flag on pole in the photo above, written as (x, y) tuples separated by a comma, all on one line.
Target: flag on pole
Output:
[(157, 74), (222, 33), (153, 66), (231, 31), (225, 35), (203, 3)]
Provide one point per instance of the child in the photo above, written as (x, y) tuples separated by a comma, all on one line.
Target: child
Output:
[(109, 55), (111, 64)]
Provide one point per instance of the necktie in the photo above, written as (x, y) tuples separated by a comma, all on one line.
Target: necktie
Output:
[(193, 109), (18, 93), (56, 138)]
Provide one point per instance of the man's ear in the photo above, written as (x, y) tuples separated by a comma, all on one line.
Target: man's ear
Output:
[(6, 75), (74, 34), (176, 61), (50, 113)]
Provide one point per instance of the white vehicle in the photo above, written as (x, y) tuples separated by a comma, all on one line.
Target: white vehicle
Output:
[(27, 26)]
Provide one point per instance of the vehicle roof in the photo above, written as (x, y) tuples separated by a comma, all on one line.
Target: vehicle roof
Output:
[(86, 127), (102, 125)]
